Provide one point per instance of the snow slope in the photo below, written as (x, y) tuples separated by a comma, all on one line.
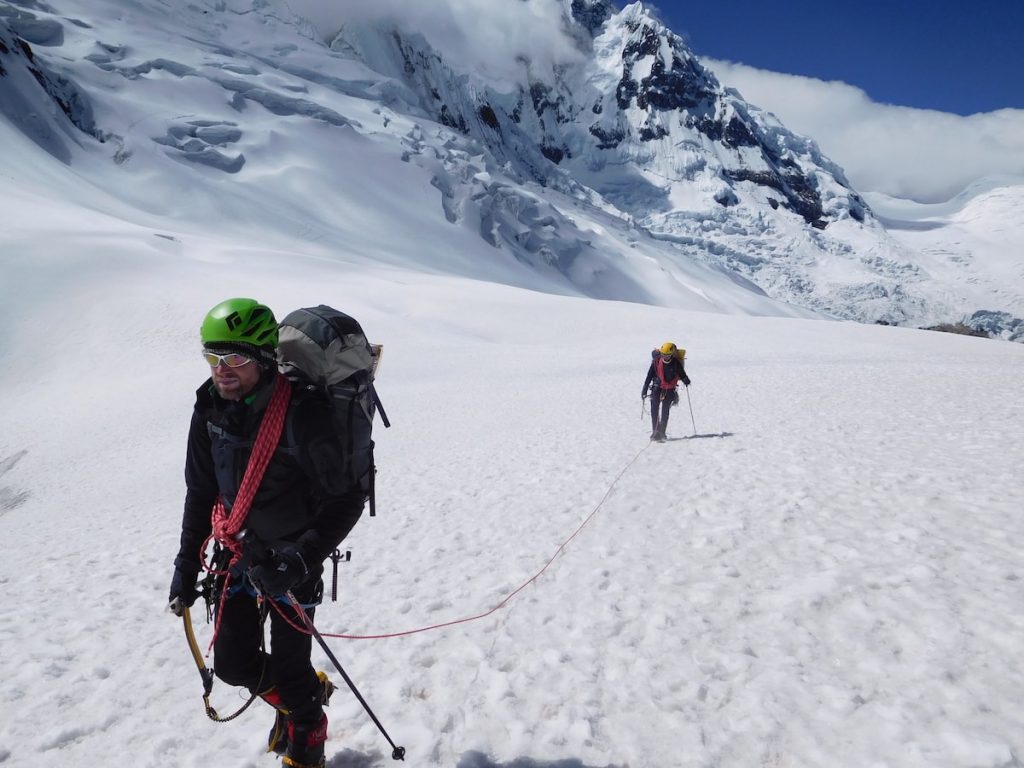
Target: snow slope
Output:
[(973, 241), (820, 569)]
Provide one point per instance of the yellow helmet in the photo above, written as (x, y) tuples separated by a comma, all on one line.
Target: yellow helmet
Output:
[(668, 348)]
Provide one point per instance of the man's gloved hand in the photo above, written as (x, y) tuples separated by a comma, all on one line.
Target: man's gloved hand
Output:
[(183, 591), (686, 381), (283, 570)]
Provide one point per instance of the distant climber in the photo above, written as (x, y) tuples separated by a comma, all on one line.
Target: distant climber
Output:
[(663, 376)]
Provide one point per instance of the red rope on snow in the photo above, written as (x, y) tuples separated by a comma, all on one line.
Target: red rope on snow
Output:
[(504, 601)]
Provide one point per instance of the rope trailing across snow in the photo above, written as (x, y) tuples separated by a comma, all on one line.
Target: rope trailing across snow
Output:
[(504, 601)]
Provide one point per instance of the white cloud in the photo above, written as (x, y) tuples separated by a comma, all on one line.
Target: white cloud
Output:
[(476, 35), (920, 154)]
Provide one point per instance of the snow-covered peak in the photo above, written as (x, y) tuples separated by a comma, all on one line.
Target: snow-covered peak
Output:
[(564, 169)]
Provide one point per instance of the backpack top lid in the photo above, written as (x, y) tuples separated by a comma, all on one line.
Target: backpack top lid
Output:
[(679, 354), (324, 346)]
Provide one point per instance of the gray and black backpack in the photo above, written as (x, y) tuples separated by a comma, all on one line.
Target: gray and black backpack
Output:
[(322, 349)]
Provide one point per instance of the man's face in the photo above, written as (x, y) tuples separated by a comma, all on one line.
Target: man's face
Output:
[(666, 358), (234, 375)]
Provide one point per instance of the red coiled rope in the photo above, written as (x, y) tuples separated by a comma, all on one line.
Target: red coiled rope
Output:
[(227, 526)]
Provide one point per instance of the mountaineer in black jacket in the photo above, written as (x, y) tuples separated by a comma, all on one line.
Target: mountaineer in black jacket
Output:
[(301, 510), (663, 376)]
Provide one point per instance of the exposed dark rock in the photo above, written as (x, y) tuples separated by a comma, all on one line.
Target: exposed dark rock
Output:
[(541, 97), (453, 121), (682, 87), (726, 198), (25, 48), (591, 14), (762, 178), (804, 198), (960, 328), (652, 132), (489, 118), (800, 196), (407, 64), (738, 134), (705, 124), (554, 154), (626, 90), (607, 139)]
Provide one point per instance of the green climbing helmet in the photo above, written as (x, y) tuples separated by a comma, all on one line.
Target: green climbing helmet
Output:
[(240, 321)]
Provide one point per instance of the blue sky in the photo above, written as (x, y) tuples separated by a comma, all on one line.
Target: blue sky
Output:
[(951, 56)]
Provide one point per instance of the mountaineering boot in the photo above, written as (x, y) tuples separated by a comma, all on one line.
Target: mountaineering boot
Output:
[(306, 744), (277, 739), (659, 436)]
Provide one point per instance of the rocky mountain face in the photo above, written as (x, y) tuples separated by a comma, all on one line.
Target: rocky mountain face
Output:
[(648, 129), (633, 128)]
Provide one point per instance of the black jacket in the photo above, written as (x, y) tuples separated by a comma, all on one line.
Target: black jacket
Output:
[(672, 369), (305, 495)]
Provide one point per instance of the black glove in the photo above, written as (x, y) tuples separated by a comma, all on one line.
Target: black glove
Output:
[(282, 571), (183, 591), (686, 381)]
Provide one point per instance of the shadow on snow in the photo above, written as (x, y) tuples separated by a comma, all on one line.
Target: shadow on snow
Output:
[(697, 437), (351, 759), (473, 759)]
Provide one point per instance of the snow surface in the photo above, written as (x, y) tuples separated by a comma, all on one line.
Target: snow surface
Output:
[(821, 568), (973, 241)]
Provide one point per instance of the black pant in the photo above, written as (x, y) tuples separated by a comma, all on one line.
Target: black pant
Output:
[(661, 401), (239, 659)]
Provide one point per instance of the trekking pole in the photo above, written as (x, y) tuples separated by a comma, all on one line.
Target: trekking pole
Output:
[(397, 753), (691, 411), (643, 407)]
